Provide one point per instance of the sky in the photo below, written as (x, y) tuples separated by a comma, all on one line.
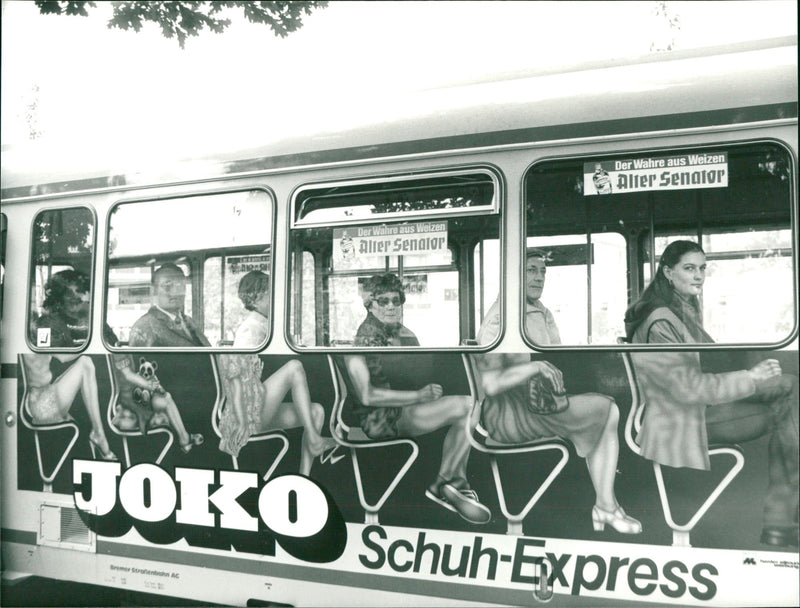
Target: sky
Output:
[(112, 92)]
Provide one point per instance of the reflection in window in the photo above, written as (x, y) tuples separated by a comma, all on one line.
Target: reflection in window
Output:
[(60, 278), (424, 231), (206, 245)]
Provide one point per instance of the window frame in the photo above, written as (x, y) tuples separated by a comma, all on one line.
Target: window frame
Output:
[(206, 253), (3, 241), (296, 223), (497, 208), (635, 275), (92, 286)]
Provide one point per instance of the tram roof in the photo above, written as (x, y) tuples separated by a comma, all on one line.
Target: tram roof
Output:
[(745, 82)]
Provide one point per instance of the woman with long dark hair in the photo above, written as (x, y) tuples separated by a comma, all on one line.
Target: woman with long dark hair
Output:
[(687, 409)]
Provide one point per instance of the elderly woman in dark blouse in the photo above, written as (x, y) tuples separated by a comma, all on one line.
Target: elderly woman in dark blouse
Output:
[(386, 412), (687, 409)]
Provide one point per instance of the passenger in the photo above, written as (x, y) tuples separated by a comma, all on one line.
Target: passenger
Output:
[(165, 324), (386, 413), (526, 400), (688, 409), (148, 400), (253, 406), (383, 326), (540, 325), (254, 292), (66, 319), (50, 401)]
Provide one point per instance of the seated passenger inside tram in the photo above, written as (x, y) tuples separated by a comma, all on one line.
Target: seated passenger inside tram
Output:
[(65, 323), (540, 325), (688, 409), (385, 412), (253, 405), (527, 400), (165, 323)]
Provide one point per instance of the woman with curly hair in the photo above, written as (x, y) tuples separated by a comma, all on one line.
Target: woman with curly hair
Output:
[(66, 303)]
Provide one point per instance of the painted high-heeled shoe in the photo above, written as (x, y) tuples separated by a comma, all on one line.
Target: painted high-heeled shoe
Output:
[(106, 454), (330, 455), (194, 439), (617, 519)]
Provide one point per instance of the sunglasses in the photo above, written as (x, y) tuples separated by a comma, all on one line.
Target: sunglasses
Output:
[(385, 301)]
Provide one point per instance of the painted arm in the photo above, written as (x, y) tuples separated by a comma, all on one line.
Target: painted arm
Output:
[(497, 380), (374, 396), (135, 379), (680, 374)]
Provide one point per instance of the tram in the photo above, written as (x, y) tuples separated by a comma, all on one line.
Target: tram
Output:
[(280, 376)]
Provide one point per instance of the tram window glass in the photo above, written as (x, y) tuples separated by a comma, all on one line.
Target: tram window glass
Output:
[(737, 199), (307, 298), (62, 257), (487, 284), (759, 259), (214, 239), (585, 290), (424, 230)]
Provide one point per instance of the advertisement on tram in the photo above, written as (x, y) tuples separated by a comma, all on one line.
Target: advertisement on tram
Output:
[(278, 498)]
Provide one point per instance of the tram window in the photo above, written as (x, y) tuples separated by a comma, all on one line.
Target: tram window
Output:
[(422, 230), (62, 257), (737, 199), (213, 241)]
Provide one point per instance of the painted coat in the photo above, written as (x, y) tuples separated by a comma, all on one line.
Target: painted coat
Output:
[(677, 393)]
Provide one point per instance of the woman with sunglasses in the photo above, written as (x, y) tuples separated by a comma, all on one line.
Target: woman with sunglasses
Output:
[(386, 412), (383, 326)]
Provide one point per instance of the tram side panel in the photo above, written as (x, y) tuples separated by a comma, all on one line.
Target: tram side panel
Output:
[(413, 535)]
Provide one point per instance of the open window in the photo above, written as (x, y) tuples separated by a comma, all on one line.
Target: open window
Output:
[(736, 201), (60, 278), (212, 241), (437, 234)]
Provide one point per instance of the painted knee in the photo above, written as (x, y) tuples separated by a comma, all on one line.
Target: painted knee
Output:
[(159, 403), (613, 413), (609, 406), (465, 406), (87, 365), (296, 369), (461, 411), (317, 414), (788, 384), (786, 400)]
